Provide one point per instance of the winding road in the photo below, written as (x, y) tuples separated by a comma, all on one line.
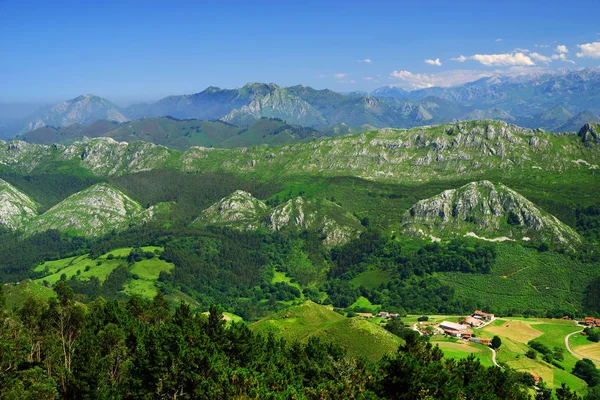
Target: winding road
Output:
[(494, 357), (569, 347), (578, 356)]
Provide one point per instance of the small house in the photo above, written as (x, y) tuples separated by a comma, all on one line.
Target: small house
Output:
[(365, 315), (473, 322), (445, 325), (453, 333), (483, 315)]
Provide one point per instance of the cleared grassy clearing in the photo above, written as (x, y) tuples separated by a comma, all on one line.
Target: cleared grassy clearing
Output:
[(100, 267), (461, 349), (518, 331), (363, 302), (371, 279), (358, 336)]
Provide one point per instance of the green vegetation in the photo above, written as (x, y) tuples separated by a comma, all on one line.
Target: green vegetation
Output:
[(356, 335), (152, 352)]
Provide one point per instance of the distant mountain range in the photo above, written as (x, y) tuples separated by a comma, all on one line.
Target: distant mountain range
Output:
[(180, 134), (558, 101)]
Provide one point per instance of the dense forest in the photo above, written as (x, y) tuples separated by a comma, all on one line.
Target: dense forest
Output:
[(140, 349)]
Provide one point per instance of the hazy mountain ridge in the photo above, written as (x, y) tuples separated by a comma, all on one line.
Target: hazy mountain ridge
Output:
[(536, 101), (575, 90), (178, 134), (84, 109)]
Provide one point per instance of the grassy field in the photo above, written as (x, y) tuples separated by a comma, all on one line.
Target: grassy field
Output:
[(516, 332), (17, 294), (462, 349), (144, 273), (100, 267), (371, 279), (411, 319), (363, 302), (358, 336)]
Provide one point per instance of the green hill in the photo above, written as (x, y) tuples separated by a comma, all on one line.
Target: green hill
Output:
[(241, 210), (91, 212), (358, 336)]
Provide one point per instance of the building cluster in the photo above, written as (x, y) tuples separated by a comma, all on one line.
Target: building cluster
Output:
[(460, 330), (381, 314), (592, 322)]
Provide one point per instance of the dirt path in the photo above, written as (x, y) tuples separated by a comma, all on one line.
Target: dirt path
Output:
[(515, 272), (494, 357), (569, 347)]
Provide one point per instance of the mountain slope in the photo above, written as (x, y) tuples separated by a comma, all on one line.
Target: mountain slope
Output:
[(338, 225), (472, 149), (240, 210), (358, 336), (16, 208), (577, 121), (482, 209), (92, 212), (84, 110)]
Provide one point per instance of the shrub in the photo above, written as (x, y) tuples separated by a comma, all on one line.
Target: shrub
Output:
[(531, 354)]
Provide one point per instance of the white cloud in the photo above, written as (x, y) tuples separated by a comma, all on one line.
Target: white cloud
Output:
[(434, 62), (506, 59), (561, 48), (542, 45), (498, 40), (459, 58), (589, 50), (540, 57), (368, 78), (340, 75), (562, 57), (364, 60), (411, 81)]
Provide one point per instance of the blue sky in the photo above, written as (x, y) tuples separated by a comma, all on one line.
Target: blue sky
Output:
[(132, 50)]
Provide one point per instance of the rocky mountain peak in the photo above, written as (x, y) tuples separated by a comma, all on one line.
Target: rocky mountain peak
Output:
[(487, 211), (590, 132), (239, 209)]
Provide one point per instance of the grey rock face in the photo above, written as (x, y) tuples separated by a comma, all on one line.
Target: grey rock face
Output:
[(482, 209)]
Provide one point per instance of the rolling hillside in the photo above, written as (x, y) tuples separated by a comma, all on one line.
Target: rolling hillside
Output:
[(358, 336)]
